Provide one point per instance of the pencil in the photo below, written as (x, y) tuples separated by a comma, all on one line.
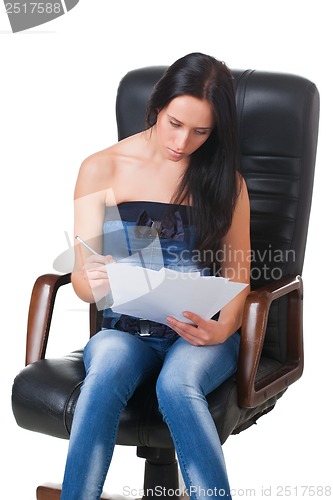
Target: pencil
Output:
[(86, 245)]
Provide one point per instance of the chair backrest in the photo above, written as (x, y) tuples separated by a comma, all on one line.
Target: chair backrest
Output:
[(278, 117)]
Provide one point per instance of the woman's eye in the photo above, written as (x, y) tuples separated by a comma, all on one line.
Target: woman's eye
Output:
[(201, 132), (174, 124)]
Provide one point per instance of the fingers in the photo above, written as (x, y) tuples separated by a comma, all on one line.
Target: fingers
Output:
[(194, 318), (199, 332), (95, 266), (180, 326), (195, 333), (95, 274), (100, 259)]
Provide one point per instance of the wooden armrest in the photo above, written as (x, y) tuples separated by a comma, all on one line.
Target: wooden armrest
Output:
[(257, 306), (40, 314)]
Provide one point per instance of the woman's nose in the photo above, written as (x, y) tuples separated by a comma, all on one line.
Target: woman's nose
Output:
[(181, 140)]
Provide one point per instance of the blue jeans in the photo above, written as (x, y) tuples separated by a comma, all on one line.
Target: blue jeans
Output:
[(116, 363)]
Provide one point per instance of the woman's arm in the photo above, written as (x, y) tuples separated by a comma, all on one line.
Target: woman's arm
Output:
[(235, 266), (89, 277)]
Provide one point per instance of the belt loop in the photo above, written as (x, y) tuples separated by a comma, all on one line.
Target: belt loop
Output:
[(144, 327)]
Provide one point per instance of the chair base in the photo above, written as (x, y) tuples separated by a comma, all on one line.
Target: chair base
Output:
[(161, 475), (53, 493), (48, 493)]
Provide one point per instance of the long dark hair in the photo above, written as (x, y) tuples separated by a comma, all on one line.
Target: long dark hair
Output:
[(210, 181)]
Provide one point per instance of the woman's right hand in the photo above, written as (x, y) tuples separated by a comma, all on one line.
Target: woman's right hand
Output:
[(95, 272)]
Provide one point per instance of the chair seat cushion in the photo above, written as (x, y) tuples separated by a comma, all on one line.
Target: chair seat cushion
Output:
[(45, 393)]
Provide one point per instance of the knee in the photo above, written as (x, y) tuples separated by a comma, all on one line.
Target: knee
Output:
[(175, 388), (165, 386), (166, 393)]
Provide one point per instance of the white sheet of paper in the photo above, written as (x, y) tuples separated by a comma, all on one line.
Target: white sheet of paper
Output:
[(154, 295)]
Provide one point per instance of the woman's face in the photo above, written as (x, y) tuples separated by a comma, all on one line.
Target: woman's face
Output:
[(183, 126)]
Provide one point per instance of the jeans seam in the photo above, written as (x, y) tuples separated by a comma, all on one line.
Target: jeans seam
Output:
[(178, 450), (109, 456)]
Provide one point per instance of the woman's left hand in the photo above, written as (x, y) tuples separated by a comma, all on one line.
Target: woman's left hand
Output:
[(201, 332)]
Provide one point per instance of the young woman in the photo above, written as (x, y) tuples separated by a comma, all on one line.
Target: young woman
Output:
[(179, 178)]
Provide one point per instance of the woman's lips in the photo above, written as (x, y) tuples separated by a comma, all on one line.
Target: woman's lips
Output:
[(176, 154)]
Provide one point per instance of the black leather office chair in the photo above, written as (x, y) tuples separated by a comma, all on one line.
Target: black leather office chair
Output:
[(278, 125)]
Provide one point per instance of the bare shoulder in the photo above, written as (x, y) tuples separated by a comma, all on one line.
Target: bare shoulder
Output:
[(96, 168), (98, 171)]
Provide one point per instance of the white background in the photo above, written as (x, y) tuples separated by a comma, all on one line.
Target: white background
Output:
[(58, 88)]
